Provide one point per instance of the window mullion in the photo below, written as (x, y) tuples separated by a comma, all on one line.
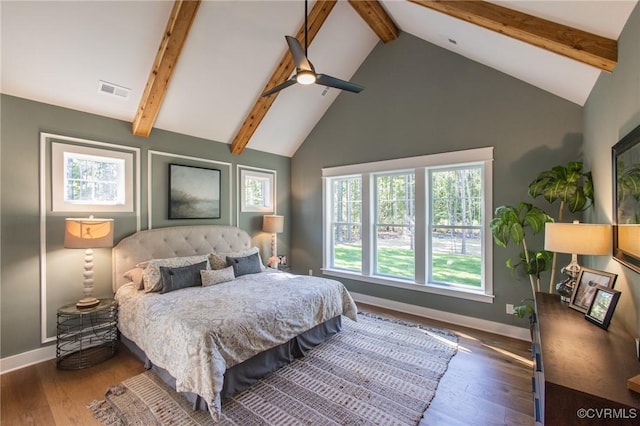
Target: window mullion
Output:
[(421, 237), (368, 210)]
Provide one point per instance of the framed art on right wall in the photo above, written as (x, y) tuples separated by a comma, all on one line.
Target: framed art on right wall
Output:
[(626, 200)]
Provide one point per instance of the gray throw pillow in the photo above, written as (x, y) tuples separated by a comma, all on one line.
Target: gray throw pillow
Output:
[(245, 265), (181, 277)]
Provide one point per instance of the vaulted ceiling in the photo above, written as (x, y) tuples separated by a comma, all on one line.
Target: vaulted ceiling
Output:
[(199, 68)]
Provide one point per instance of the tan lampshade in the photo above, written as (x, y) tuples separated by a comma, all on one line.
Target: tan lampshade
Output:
[(88, 233), (273, 223), (578, 238), (629, 239)]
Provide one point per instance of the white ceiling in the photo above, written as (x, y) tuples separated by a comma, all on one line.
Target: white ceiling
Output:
[(56, 52)]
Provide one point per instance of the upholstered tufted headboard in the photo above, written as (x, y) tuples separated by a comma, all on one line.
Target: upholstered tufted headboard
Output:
[(175, 241)]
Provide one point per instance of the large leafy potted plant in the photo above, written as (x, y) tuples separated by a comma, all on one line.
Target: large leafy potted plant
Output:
[(570, 185), (574, 189), (510, 224)]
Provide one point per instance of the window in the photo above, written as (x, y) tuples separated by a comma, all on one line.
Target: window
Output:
[(346, 224), (455, 226), (394, 225), (91, 179), (256, 192), (416, 223)]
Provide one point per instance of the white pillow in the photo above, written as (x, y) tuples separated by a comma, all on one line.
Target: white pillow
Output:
[(135, 276), (218, 260), (217, 276), (151, 277)]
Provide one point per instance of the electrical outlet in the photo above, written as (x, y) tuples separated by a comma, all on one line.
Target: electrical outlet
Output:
[(510, 310), (310, 271)]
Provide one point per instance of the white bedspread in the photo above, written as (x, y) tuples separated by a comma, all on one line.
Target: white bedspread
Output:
[(197, 333)]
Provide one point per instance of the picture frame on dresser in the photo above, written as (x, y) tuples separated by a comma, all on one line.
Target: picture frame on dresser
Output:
[(585, 288), (602, 306)]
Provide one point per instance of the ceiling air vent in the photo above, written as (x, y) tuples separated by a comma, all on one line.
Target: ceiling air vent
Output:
[(113, 89)]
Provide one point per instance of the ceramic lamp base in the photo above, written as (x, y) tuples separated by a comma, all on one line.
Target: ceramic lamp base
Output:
[(87, 302)]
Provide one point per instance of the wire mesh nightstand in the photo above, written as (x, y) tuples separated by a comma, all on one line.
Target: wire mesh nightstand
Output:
[(86, 337)]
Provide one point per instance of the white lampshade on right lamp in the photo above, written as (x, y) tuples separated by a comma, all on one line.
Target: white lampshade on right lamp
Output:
[(577, 238)]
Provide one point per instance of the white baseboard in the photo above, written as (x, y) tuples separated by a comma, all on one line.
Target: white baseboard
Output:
[(25, 359), (463, 320)]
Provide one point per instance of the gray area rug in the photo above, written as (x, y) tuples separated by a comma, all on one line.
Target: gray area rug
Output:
[(376, 371)]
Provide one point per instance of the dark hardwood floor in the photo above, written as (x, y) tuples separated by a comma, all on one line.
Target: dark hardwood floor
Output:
[(488, 383)]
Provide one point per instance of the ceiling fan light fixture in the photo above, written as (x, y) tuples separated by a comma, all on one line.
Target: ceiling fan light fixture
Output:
[(305, 77)]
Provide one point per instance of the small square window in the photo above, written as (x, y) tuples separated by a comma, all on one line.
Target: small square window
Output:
[(256, 191), (85, 178)]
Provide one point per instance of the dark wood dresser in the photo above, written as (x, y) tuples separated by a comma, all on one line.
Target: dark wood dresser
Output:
[(580, 370)]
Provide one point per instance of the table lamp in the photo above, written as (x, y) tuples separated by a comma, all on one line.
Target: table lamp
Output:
[(88, 233), (274, 224), (576, 239)]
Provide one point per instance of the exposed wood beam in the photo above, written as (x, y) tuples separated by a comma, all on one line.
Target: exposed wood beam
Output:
[(285, 68), (579, 45), (377, 18), (171, 45)]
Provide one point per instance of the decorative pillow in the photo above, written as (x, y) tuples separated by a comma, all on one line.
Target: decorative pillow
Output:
[(219, 260), (217, 276), (181, 277), (151, 277), (135, 275), (245, 265)]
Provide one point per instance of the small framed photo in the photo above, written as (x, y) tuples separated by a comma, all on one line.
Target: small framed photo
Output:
[(601, 309), (585, 287)]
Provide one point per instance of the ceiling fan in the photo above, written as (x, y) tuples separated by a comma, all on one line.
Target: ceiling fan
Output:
[(305, 72)]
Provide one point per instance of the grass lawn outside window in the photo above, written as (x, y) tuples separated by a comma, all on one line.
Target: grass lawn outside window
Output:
[(399, 262)]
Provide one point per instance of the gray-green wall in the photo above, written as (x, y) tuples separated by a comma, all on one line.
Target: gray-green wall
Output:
[(21, 123), (612, 111), (421, 99)]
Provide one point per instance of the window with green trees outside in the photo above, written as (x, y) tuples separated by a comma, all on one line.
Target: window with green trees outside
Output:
[(423, 225)]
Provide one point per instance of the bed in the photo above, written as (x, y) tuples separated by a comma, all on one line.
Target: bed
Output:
[(210, 342)]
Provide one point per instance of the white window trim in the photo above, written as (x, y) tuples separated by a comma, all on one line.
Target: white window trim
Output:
[(456, 158)]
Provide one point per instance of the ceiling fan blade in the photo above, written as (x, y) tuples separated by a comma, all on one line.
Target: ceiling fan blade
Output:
[(279, 87), (302, 63), (327, 80)]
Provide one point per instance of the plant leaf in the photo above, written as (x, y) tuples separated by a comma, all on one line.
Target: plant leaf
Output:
[(576, 202), (574, 167), (538, 186), (516, 232), (536, 218), (523, 309)]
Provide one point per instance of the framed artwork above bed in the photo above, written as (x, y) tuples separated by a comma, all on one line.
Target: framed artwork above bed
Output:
[(194, 192)]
